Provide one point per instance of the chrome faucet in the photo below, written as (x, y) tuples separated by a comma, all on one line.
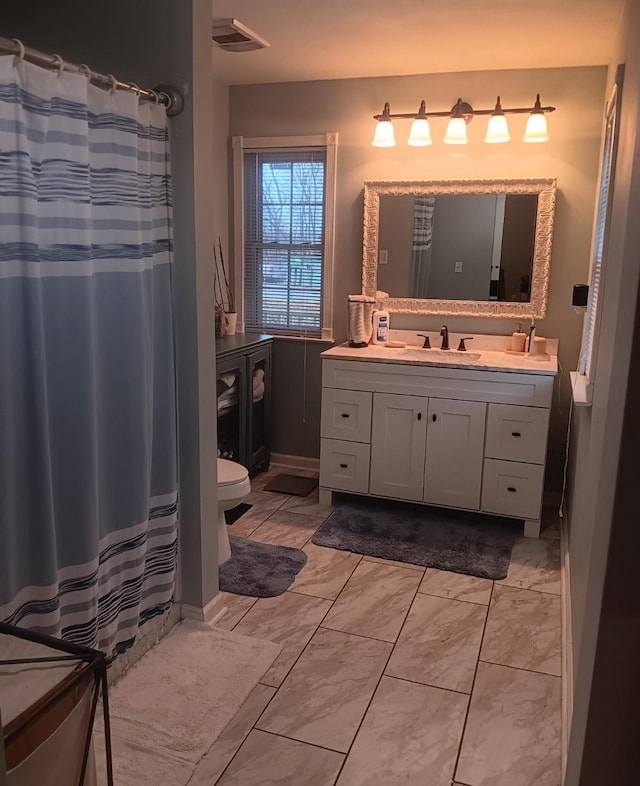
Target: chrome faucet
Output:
[(445, 337)]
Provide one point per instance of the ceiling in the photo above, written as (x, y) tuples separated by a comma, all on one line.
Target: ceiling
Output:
[(337, 39)]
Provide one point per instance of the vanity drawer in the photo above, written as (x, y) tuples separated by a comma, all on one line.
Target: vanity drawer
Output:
[(344, 465), (511, 488), (346, 414), (517, 433)]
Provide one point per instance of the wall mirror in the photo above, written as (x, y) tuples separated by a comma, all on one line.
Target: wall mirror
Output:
[(459, 247)]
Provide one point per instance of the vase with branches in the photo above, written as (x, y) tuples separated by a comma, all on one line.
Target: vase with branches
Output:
[(223, 293)]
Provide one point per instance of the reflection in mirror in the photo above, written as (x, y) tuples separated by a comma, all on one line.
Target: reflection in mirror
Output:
[(463, 247), (457, 246)]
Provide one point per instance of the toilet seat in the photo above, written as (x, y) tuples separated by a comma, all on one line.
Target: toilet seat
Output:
[(233, 482), (230, 472)]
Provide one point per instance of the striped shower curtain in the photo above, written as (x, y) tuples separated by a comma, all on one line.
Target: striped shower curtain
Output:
[(423, 210), (88, 487)]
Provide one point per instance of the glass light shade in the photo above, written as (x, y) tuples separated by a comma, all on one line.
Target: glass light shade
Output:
[(384, 136), (420, 135), (536, 130), (497, 130), (456, 132)]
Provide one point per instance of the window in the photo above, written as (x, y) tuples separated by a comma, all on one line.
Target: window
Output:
[(284, 218), (586, 364)]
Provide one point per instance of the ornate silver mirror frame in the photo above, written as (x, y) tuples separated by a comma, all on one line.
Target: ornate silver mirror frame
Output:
[(536, 307)]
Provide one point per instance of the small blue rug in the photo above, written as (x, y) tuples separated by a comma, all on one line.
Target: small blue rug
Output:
[(260, 570), (476, 544)]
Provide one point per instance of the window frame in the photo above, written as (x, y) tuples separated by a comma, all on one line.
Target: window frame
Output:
[(582, 380), (242, 145)]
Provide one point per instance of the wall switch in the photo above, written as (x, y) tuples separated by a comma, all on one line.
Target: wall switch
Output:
[(458, 267), (382, 257)]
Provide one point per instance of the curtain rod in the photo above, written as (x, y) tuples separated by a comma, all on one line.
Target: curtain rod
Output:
[(167, 95)]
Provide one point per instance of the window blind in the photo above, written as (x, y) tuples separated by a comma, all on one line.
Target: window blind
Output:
[(586, 363), (284, 222)]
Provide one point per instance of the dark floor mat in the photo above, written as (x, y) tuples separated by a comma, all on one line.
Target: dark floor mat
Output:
[(296, 485), (260, 569), (472, 543), (231, 516)]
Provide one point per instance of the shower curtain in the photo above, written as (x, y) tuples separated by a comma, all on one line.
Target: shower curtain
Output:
[(88, 478), (423, 210)]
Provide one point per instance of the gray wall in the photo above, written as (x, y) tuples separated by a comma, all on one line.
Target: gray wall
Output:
[(151, 42), (347, 106), (463, 229), (395, 235), (603, 510)]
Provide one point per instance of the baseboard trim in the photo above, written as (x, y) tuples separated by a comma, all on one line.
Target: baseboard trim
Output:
[(295, 462), (567, 644), (210, 614)]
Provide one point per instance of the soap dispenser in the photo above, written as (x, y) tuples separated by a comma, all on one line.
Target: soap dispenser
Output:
[(518, 340)]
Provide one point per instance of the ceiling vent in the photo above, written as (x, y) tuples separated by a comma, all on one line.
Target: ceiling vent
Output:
[(233, 36)]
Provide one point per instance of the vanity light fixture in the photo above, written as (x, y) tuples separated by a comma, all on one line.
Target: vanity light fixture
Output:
[(384, 136), (457, 126), (460, 115), (536, 130), (420, 135), (497, 128)]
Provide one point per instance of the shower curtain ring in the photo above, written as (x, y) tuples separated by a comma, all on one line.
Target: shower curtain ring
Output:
[(114, 83), (20, 46), (156, 98), (58, 63), (135, 88), (85, 70)]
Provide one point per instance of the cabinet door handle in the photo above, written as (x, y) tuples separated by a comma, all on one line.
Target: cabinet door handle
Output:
[(344, 415), (516, 434), (419, 415), (434, 417), (343, 466), (512, 489)]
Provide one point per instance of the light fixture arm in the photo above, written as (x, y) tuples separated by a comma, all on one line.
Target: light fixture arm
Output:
[(468, 110)]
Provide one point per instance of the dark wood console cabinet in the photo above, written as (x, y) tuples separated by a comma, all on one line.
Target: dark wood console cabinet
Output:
[(243, 390)]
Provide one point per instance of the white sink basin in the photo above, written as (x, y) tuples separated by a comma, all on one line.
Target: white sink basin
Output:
[(438, 355)]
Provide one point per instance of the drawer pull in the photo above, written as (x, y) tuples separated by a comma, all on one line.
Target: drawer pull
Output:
[(419, 415), (512, 489), (434, 417), (343, 466), (516, 434), (344, 415)]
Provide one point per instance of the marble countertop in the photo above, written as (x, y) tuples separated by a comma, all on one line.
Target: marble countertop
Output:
[(411, 355)]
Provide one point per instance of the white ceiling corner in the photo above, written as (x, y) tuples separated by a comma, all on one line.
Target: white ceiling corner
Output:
[(337, 39)]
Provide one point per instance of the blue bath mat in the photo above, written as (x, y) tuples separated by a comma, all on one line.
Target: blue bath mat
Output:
[(476, 544), (260, 569)]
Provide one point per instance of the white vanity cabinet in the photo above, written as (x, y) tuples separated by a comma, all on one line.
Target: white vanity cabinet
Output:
[(427, 450), (398, 438), (455, 437)]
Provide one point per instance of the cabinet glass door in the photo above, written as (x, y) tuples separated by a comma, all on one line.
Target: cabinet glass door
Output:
[(230, 392), (259, 380)]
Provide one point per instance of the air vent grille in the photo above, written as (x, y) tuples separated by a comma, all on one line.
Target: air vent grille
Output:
[(233, 36)]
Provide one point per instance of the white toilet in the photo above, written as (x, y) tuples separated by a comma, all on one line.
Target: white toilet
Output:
[(233, 487)]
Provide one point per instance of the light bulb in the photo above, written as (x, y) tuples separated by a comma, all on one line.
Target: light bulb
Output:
[(384, 136), (536, 130), (456, 132), (420, 135), (497, 130)]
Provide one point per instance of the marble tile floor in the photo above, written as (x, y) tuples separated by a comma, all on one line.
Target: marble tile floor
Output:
[(394, 674)]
